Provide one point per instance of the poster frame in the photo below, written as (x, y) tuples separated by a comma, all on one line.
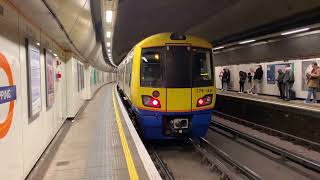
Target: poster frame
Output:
[(49, 102), (29, 44)]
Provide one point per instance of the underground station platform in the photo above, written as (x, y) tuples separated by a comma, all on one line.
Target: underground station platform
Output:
[(100, 143), (271, 112)]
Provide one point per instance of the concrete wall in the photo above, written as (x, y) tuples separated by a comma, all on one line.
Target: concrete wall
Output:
[(27, 138), (270, 89)]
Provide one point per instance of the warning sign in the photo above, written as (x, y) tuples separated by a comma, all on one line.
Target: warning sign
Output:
[(7, 95)]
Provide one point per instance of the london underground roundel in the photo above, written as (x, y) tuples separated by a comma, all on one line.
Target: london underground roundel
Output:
[(7, 95)]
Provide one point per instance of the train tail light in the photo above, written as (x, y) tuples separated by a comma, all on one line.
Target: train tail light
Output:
[(150, 101), (205, 100)]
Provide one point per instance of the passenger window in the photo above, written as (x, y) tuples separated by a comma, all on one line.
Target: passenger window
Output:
[(128, 73), (151, 67), (202, 68)]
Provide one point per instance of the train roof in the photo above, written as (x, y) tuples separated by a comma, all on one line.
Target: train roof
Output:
[(165, 38)]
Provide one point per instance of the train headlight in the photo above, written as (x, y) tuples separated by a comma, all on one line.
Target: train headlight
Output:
[(205, 100), (150, 101)]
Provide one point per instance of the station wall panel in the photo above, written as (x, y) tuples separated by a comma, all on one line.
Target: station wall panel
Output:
[(27, 138)]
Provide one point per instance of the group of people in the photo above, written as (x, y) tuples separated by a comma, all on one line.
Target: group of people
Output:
[(285, 81), (254, 85)]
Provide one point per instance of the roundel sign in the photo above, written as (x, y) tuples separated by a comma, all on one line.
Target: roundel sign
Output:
[(7, 95)]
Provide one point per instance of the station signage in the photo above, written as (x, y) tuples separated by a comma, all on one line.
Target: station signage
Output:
[(7, 95)]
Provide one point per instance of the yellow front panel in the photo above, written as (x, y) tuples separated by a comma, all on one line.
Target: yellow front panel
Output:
[(178, 99), (200, 92)]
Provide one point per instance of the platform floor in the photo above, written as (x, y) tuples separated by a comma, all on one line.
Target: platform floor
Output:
[(273, 100), (92, 147)]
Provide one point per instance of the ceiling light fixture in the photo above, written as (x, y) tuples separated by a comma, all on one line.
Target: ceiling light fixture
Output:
[(109, 50), (108, 34), (221, 47), (248, 41), (55, 55), (295, 31), (108, 44), (109, 16)]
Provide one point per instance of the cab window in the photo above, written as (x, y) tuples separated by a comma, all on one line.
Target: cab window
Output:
[(151, 67), (202, 74)]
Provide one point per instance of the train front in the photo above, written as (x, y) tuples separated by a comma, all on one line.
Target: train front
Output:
[(176, 94)]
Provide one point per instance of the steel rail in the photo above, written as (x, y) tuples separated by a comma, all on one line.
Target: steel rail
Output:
[(242, 168), (217, 164), (295, 139), (277, 150), (161, 166)]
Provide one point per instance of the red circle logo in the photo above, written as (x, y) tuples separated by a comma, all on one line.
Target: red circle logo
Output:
[(5, 126)]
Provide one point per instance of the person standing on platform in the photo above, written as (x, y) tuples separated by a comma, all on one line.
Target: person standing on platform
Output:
[(242, 80), (220, 76), (225, 79), (257, 80), (288, 81), (313, 83), (280, 83), (249, 91)]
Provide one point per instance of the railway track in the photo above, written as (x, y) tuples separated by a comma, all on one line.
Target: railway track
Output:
[(222, 163), (160, 165), (315, 166), (285, 136)]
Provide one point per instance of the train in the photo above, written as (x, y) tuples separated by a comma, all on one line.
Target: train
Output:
[(168, 81)]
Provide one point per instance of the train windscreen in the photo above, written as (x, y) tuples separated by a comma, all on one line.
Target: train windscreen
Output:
[(178, 67), (202, 74), (151, 74)]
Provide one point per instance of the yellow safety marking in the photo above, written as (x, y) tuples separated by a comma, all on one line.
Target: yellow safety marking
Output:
[(127, 153)]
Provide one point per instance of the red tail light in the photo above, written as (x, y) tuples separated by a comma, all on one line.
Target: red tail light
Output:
[(150, 101), (204, 101)]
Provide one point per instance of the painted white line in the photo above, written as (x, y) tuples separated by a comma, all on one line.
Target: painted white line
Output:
[(143, 153), (274, 102)]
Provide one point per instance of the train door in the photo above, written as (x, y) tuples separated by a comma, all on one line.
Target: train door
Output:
[(178, 78)]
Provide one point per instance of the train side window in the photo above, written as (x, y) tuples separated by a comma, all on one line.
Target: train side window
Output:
[(150, 72), (128, 73), (202, 68)]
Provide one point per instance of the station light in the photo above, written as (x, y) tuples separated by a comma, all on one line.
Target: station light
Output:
[(248, 41), (55, 55), (108, 44), (108, 34), (38, 44), (109, 50), (109, 16), (221, 47), (295, 31)]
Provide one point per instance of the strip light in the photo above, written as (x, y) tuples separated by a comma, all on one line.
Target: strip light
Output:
[(221, 47), (295, 31), (248, 41), (109, 16), (108, 34)]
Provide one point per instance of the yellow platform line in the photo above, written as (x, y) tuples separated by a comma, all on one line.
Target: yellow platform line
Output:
[(127, 153)]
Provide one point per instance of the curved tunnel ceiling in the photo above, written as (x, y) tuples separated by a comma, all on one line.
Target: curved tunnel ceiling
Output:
[(69, 23), (214, 20)]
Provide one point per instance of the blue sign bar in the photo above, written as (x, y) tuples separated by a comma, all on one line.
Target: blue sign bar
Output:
[(7, 94)]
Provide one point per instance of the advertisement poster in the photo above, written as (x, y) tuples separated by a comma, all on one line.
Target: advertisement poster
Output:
[(271, 76), (307, 68), (49, 78), (272, 71), (34, 79)]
